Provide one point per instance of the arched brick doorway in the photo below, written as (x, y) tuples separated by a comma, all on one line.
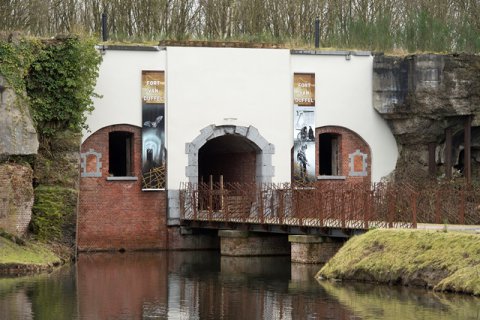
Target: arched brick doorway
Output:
[(232, 157), (220, 149)]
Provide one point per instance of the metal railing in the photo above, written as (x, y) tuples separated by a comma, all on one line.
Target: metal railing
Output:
[(351, 206)]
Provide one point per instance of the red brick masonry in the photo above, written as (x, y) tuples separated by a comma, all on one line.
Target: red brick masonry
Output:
[(349, 143), (117, 214)]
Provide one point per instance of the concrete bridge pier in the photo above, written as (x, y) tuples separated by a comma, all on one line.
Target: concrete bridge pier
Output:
[(313, 249), (245, 243)]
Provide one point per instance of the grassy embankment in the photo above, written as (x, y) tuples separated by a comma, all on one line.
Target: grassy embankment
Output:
[(443, 261), (20, 256)]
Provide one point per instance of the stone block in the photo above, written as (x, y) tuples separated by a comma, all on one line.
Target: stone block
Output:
[(313, 249), (191, 171), (193, 159), (252, 133), (266, 171), (264, 159), (19, 136), (241, 130), (269, 149)]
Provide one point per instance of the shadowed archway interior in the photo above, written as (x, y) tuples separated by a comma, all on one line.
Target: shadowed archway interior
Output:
[(231, 156)]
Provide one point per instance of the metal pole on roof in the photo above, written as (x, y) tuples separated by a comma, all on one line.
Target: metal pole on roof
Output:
[(104, 27), (317, 32)]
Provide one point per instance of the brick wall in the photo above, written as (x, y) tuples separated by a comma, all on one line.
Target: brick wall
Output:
[(349, 143), (16, 198), (235, 167), (118, 214)]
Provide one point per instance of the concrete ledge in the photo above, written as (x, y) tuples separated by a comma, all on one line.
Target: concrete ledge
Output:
[(126, 178), (233, 234), (308, 239), (244, 243)]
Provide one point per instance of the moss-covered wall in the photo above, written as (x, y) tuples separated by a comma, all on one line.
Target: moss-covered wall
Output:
[(46, 87)]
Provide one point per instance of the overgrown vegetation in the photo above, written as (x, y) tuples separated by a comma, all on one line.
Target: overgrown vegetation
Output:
[(15, 61), (53, 213), (445, 25), (440, 260), (60, 84), (55, 78)]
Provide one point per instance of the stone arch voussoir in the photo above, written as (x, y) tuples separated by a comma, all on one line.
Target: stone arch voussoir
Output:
[(264, 167)]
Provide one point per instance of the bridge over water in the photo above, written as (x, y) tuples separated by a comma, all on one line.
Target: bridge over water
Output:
[(317, 208), (318, 217)]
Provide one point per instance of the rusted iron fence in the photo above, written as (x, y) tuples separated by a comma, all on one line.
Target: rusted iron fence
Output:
[(336, 205)]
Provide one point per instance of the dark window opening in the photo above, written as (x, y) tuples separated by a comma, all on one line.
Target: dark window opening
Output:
[(120, 154), (329, 154)]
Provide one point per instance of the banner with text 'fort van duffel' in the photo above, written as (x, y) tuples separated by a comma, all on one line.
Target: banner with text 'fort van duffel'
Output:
[(303, 127), (153, 130)]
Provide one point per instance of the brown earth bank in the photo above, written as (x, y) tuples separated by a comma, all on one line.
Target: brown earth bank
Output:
[(14, 269), (442, 261)]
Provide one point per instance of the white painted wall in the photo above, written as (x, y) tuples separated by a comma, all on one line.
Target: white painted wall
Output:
[(343, 90), (228, 86), (119, 84), (243, 87)]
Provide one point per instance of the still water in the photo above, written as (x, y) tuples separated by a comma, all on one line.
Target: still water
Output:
[(204, 285)]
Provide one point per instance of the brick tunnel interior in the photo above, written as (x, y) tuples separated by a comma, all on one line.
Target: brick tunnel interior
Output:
[(231, 156)]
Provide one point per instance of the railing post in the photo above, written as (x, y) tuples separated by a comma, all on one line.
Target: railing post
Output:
[(221, 192), (414, 210), (210, 198), (319, 206), (391, 208), (281, 207), (438, 217), (194, 195), (366, 208), (260, 200), (182, 202), (462, 206)]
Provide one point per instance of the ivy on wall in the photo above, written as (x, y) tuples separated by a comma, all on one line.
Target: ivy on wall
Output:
[(15, 61), (60, 84), (56, 77)]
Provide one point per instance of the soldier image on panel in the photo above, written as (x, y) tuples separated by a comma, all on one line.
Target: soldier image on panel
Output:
[(302, 159), (311, 136)]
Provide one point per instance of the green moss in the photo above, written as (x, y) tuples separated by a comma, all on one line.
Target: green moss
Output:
[(27, 254), (463, 280), (410, 257), (53, 212), (370, 301)]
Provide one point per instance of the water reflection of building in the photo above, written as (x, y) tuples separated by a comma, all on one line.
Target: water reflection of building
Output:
[(116, 286), (187, 285)]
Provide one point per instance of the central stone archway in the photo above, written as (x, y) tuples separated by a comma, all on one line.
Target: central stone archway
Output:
[(245, 140)]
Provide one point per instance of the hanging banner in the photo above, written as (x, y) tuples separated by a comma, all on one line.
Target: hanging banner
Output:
[(153, 130), (304, 127)]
